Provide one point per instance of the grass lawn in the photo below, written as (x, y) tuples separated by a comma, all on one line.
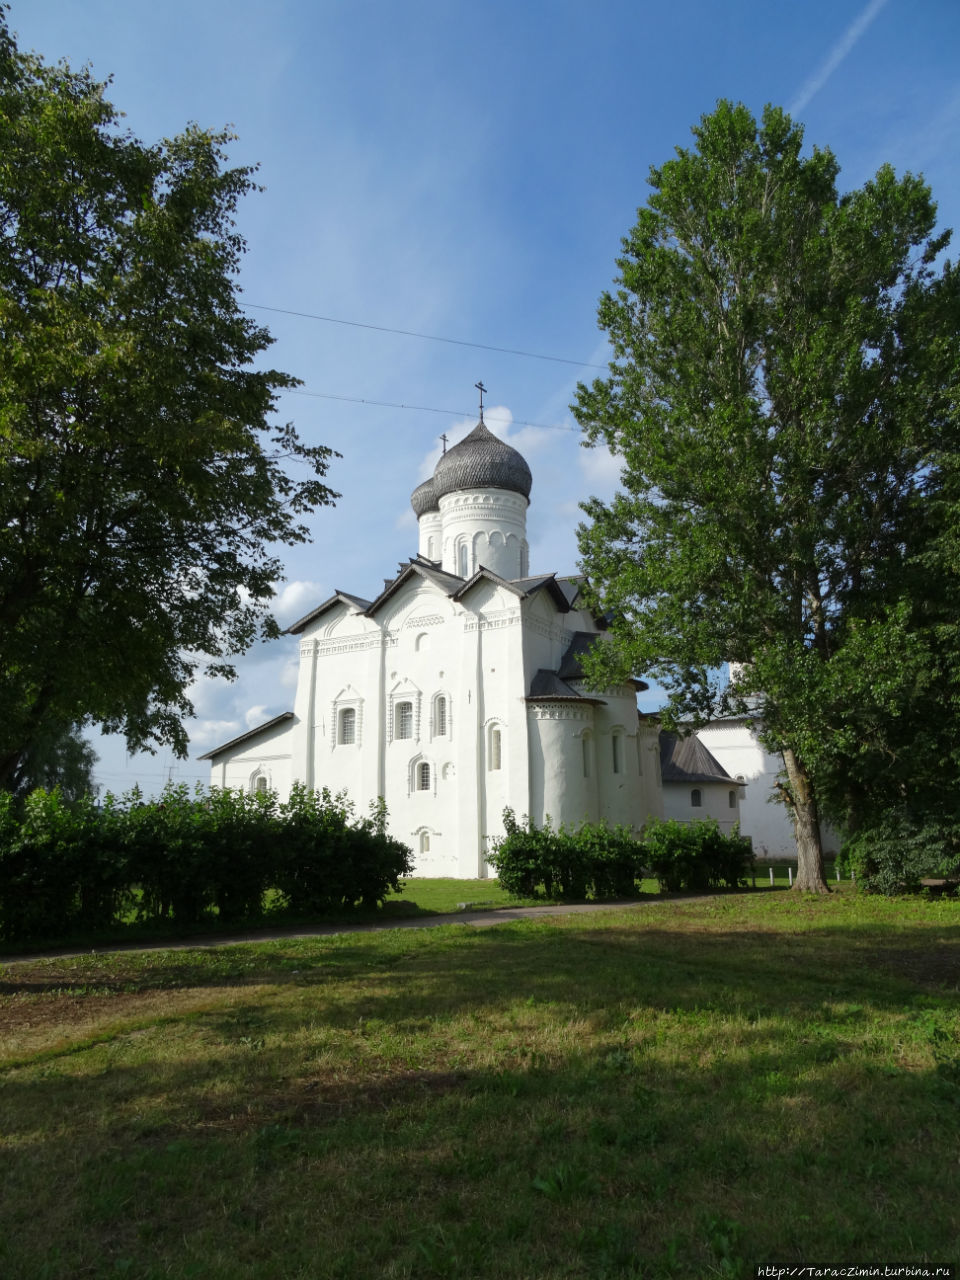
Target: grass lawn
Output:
[(675, 1089)]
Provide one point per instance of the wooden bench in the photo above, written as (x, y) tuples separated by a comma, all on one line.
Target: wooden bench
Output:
[(938, 887)]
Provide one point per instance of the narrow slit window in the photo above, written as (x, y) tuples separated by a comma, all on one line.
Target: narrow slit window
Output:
[(495, 749), (615, 744), (696, 800), (440, 718), (732, 799), (586, 755), (463, 560), (424, 841)]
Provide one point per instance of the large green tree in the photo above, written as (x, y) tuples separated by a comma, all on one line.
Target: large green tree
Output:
[(143, 488), (782, 395)]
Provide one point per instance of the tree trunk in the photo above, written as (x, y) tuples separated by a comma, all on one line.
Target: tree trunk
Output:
[(811, 877)]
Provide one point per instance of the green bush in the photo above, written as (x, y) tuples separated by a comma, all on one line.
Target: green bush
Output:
[(592, 860), (189, 857), (329, 861), (900, 848), (696, 856)]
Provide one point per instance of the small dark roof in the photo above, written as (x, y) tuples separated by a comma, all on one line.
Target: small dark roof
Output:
[(338, 597), (248, 736), (688, 760), (548, 582), (547, 686), (580, 643)]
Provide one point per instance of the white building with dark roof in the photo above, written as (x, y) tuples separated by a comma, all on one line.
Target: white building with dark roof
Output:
[(458, 691), (695, 783)]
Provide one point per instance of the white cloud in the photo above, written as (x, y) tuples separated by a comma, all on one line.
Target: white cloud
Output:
[(601, 470), (294, 599), (210, 733), (836, 56), (256, 715)]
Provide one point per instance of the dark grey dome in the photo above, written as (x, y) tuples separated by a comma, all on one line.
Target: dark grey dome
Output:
[(481, 461), (424, 499)]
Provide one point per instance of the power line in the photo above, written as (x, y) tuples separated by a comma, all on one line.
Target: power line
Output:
[(426, 408), (429, 337)]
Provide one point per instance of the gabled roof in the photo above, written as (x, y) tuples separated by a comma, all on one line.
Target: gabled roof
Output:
[(448, 583), (546, 686), (339, 597), (523, 588), (545, 582), (688, 760), (248, 736)]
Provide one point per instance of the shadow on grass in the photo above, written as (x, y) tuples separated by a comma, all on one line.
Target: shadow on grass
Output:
[(535, 1101)]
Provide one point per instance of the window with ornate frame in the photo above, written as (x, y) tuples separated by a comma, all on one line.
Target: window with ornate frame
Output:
[(403, 720), (347, 726)]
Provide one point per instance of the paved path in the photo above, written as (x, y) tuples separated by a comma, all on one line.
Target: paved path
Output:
[(477, 919)]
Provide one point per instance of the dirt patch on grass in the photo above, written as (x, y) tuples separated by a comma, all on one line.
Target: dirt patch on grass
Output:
[(935, 966), (52, 1021), (316, 1101)]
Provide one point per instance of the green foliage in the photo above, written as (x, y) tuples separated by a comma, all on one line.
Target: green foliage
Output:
[(56, 757), (330, 860), (592, 860), (901, 847), (782, 395), (142, 483), (696, 855), (187, 857)]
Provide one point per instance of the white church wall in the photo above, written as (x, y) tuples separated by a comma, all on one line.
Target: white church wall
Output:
[(269, 755), (619, 793), (713, 802), (562, 763), (485, 527), (766, 821)]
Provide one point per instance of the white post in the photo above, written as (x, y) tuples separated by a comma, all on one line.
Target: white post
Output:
[(790, 876), (838, 874), (771, 877)]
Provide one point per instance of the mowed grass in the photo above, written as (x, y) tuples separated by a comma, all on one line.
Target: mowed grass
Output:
[(678, 1089)]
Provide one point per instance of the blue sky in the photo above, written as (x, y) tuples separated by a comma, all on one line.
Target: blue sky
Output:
[(468, 170)]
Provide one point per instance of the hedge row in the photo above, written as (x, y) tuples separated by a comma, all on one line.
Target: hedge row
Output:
[(85, 867), (598, 861)]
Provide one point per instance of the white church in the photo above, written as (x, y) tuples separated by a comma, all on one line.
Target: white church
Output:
[(458, 691)]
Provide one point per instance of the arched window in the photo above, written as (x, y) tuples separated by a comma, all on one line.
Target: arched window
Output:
[(732, 799), (495, 754), (587, 745), (404, 719), (431, 549), (463, 559), (347, 728), (696, 800), (260, 784), (425, 841), (423, 776), (440, 717), (617, 750)]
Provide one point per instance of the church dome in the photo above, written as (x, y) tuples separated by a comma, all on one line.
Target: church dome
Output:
[(424, 499), (480, 461)]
